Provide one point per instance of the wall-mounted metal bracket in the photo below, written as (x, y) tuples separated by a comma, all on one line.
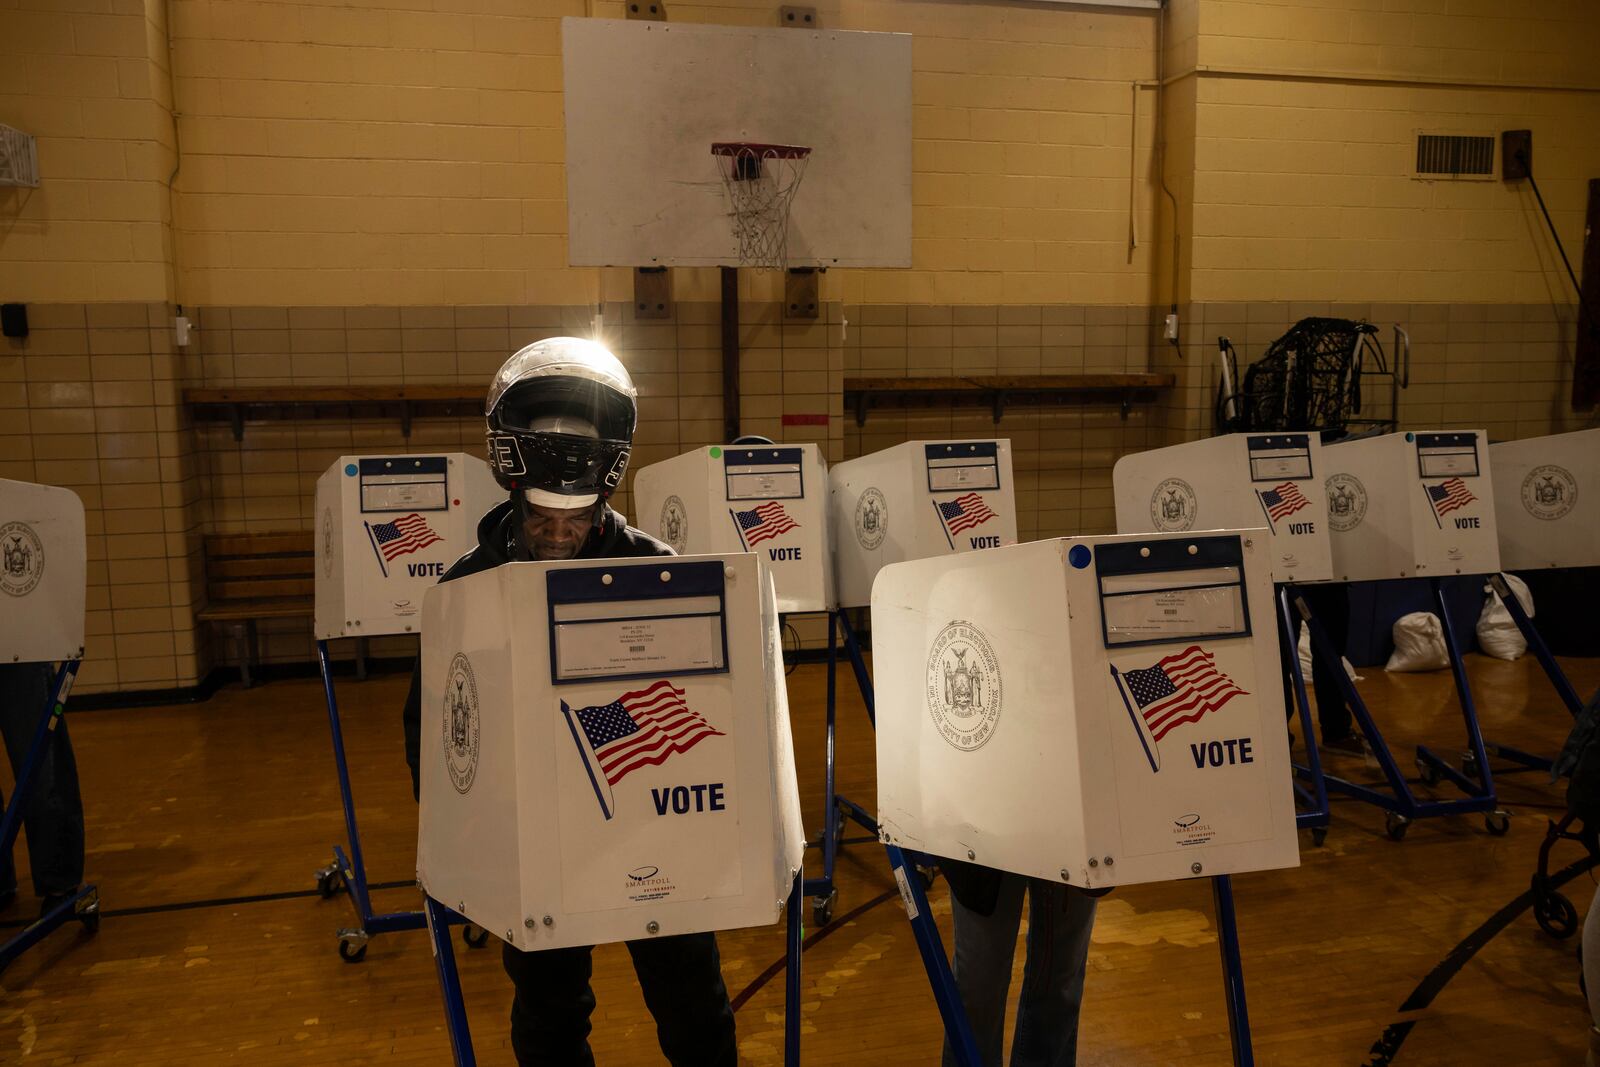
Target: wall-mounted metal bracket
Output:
[(652, 293), (801, 293)]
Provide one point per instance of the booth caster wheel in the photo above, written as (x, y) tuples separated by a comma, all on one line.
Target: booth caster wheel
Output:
[(1555, 914), (474, 936), (822, 908), (1428, 772), (1319, 834), (330, 881), (1394, 824), (89, 914), (353, 945), (1497, 822)]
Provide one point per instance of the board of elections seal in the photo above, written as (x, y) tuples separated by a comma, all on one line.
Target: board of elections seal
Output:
[(1173, 505), (21, 559), (461, 723), (327, 542), (1549, 492), (872, 519), (675, 523), (1347, 501), (964, 690)]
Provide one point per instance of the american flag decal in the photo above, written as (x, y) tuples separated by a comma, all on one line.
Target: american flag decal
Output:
[(1281, 501), (401, 537), (1448, 495), (762, 523), (963, 513), (1178, 689), (638, 729)]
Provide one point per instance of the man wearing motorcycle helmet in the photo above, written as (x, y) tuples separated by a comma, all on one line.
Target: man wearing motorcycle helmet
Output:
[(561, 415)]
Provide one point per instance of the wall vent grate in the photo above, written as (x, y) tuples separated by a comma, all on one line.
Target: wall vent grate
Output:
[(1455, 155)]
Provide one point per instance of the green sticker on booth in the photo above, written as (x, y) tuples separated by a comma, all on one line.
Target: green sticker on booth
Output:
[(716, 453)]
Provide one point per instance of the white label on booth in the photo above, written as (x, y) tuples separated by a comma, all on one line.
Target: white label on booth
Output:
[(628, 645), (955, 466), (771, 473), (402, 484), (1279, 456), (1440, 455), (1166, 605)]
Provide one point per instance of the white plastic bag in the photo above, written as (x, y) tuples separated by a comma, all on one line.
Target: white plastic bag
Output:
[(1306, 658), (1498, 635), (1418, 643)]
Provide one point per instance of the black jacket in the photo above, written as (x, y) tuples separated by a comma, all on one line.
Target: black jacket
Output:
[(498, 543)]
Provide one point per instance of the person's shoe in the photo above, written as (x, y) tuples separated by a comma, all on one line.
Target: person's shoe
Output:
[(1349, 744), (50, 901)]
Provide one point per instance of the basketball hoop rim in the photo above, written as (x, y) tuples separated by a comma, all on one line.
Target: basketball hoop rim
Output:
[(768, 151)]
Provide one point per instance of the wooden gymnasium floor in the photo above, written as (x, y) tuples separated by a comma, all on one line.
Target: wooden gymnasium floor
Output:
[(235, 798)]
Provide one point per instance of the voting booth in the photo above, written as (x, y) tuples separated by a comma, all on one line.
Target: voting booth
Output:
[(606, 750), (1235, 481), (387, 528), (43, 585), (915, 500), (1411, 505), (1098, 710), (768, 499), (1547, 500), (43, 573)]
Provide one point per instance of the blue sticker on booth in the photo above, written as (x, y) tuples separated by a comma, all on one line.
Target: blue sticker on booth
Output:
[(350, 470), (1079, 556)]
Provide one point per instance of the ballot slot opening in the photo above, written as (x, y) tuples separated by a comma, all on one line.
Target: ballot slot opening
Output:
[(969, 465), (1163, 591), (647, 620), (1275, 457), (404, 483), (764, 473), (1445, 455)]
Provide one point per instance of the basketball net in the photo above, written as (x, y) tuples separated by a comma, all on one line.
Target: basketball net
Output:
[(760, 180)]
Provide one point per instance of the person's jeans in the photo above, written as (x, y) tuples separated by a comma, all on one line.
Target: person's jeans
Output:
[(1059, 921), (53, 814), (1330, 603), (680, 977)]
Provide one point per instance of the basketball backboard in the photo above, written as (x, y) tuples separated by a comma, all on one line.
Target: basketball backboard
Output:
[(645, 101)]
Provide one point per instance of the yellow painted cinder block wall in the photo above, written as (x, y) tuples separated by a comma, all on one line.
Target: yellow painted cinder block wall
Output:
[(382, 155), (88, 79), (1305, 132)]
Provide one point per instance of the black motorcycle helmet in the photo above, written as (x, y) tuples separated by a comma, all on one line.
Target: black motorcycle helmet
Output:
[(561, 415)]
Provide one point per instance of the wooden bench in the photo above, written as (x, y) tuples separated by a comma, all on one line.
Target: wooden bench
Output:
[(250, 577)]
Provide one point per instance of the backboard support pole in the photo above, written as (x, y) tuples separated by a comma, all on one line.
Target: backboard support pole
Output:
[(730, 353)]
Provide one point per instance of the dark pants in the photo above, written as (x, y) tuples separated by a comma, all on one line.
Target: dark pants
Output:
[(53, 812), (1330, 604), (680, 977)]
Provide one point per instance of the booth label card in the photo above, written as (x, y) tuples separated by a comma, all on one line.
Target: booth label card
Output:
[(1173, 613), (610, 647), (21, 559), (964, 687)]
